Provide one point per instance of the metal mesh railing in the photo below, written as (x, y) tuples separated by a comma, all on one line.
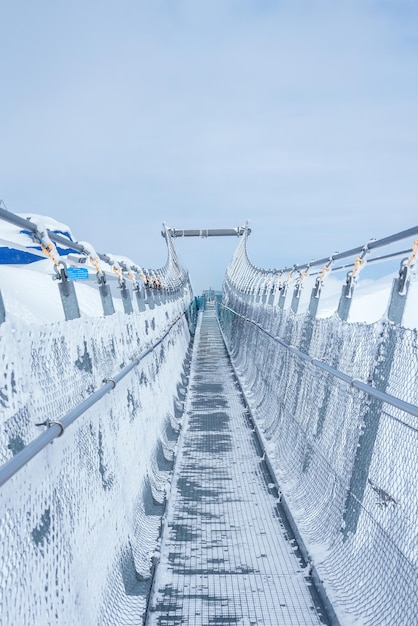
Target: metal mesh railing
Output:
[(346, 461), (79, 524)]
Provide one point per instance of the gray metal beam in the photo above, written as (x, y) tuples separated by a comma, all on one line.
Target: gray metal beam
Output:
[(372, 245), (207, 232)]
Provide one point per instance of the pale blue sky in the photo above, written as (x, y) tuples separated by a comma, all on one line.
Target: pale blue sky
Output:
[(300, 116)]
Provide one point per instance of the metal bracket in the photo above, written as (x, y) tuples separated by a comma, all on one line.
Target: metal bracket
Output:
[(101, 278), (351, 278), (49, 423), (57, 423), (404, 272), (319, 282)]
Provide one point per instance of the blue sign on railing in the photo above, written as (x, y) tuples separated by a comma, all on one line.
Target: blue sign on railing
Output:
[(77, 273)]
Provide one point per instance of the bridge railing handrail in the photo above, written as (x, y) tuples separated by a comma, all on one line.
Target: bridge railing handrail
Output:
[(371, 245), (149, 287), (56, 428), (412, 409), (27, 224)]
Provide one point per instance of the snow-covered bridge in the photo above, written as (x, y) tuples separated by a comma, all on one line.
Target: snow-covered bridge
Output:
[(241, 458), (226, 556)]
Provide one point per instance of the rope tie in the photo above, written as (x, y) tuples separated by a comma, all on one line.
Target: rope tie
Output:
[(325, 271), (413, 253), (117, 270), (94, 260), (304, 275), (51, 252), (131, 277), (288, 277), (358, 264), (359, 261)]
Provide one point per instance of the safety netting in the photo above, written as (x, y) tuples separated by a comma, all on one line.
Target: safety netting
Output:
[(346, 462), (79, 524)]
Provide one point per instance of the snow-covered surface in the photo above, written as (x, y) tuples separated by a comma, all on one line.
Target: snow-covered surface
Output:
[(74, 528), (370, 299), (11, 234), (28, 294), (77, 525), (79, 522), (346, 465), (17, 245), (225, 555)]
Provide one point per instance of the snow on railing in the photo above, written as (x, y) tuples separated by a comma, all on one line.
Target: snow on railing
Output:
[(151, 287), (79, 523), (272, 286), (336, 404)]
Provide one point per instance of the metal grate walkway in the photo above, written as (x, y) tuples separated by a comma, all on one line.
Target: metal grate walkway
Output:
[(226, 557)]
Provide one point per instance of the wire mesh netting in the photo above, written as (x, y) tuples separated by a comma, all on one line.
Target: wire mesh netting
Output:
[(79, 523), (346, 462)]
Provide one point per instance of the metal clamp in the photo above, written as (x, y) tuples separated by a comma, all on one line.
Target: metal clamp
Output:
[(324, 272), (359, 263), (57, 423), (109, 380), (404, 272)]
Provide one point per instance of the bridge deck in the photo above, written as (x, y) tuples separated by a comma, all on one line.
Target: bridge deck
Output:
[(226, 557)]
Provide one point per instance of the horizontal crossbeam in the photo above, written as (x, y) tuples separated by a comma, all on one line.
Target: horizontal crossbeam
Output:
[(208, 232)]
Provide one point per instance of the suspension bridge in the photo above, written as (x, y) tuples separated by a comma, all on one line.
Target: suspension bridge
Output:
[(232, 458)]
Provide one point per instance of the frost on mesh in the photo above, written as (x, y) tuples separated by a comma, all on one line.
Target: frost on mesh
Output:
[(346, 463), (80, 523)]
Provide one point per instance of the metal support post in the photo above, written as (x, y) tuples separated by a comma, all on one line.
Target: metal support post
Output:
[(282, 297), (126, 299), (266, 291), (271, 295), (140, 297), (314, 301), (68, 297), (106, 297), (368, 435), (257, 294), (346, 297), (157, 296), (2, 310), (150, 298), (367, 439), (296, 298), (400, 288)]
